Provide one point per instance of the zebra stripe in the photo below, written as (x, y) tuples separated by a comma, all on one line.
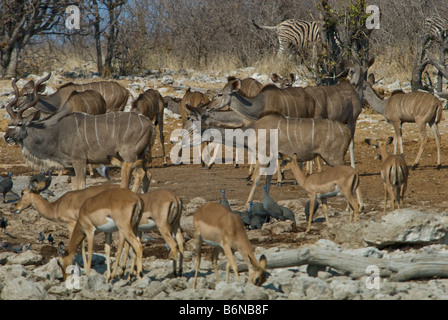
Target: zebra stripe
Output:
[(295, 33), (436, 27)]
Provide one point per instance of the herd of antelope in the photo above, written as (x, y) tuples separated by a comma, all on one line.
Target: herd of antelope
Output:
[(84, 124)]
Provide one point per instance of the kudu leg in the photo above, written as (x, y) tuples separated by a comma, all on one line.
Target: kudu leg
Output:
[(437, 137), (424, 140), (79, 180)]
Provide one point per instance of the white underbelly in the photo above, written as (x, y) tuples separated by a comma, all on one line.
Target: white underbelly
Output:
[(212, 243), (148, 225), (108, 227)]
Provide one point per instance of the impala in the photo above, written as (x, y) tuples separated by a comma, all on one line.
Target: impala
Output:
[(151, 104), (342, 179), (421, 108), (64, 210), (80, 138), (162, 211), (114, 95), (116, 209), (193, 99), (394, 173), (217, 226)]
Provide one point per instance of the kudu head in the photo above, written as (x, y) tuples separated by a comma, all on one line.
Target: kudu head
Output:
[(223, 98), (283, 82), (18, 123), (358, 76)]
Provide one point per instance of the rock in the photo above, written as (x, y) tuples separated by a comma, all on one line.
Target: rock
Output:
[(10, 272), (344, 288), (49, 271), (23, 289), (407, 227), (26, 258)]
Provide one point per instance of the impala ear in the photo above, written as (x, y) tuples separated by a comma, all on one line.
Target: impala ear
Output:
[(389, 140)]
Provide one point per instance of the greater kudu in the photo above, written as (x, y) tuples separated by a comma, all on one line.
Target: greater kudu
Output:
[(151, 104), (114, 95), (421, 108), (80, 138)]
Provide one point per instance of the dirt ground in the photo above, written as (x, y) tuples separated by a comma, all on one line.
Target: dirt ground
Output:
[(427, 188)]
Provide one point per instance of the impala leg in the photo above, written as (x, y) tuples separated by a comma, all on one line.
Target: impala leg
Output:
[(138, 174), (325, 210), (229, 254), (385, 200), (107, 251), (90, 236), (310, 218), (118, 255), (198, 259), (215, 254)]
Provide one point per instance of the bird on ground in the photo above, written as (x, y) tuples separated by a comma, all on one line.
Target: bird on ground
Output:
[(259, 215), (40, 182), (6, 185), (40, 237), (18, 248), (225, 202), (3, 224), (246, 216), (103, 171), (61, 248), (287, 214), (50, 239), (270, 205)]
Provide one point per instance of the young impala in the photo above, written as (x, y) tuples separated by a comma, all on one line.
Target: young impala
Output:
[(217, 226)]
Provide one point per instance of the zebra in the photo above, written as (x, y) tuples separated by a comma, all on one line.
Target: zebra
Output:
[(436, 27), (294, 33)]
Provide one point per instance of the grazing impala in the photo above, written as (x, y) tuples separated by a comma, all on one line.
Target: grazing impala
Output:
[(343, 179), (64, 210), (421, 108), (80, 138), (114, 95), (151, 104), (112, 210), (217, 226), (394, 173), (193, 99)]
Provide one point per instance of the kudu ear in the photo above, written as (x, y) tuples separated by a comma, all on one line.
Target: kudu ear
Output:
[(371, 62), (236, 85), (293, 77), (275, 77), (371, 79)]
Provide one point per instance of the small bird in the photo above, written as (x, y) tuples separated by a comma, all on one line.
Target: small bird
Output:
[(246, 216), (225, 202), (3, 224), (18, 249), (287, 214), (61, 248), (40, 237), (270, 205), (259, 215), (40, 182), (50, 239), (6, 185), (103, 171)]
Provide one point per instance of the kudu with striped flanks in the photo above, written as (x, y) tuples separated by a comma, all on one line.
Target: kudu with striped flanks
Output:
[(421, 108), (341, 102), (152, 105), (79, 138), (305, 138), (115, 96)]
